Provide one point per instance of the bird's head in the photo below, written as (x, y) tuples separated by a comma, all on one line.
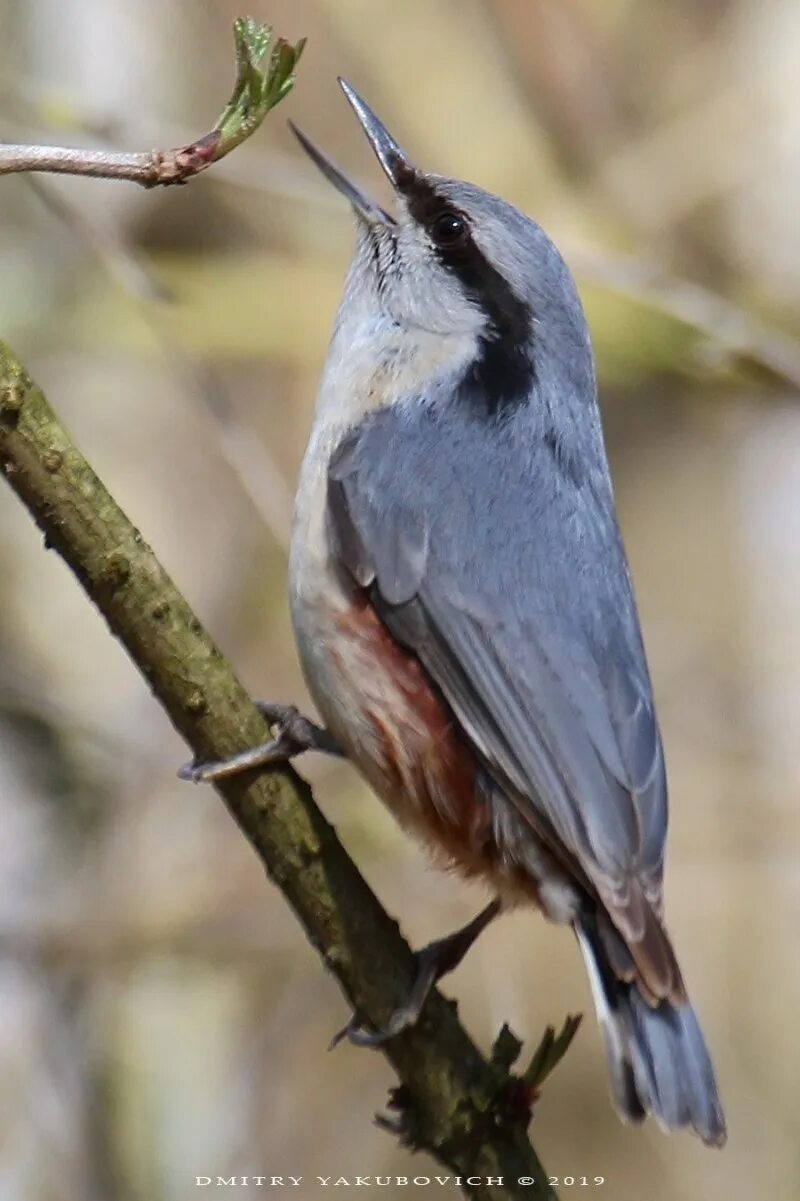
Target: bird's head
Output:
[(455, 260)]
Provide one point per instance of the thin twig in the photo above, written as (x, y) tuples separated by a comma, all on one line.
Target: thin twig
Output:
[(255, 92), (245, 452), (242, 448), (148, 168)]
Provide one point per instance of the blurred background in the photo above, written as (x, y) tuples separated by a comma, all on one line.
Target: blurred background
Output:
[(161, 1016)]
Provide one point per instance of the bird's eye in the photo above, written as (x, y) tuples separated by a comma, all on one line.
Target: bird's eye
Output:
[(448, 229)]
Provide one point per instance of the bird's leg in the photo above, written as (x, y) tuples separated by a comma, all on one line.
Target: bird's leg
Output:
[(294, 734), (298, 733), (433, 961)]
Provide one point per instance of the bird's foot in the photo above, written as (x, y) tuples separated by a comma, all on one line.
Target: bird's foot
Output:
[(433, 961), (294, 734)]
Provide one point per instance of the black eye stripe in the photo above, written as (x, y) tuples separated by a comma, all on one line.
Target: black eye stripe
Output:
[(503, 374)]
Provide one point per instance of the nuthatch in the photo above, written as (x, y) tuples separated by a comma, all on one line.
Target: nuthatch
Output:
[(464, 613)]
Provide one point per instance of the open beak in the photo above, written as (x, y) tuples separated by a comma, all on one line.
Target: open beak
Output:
[(399, 170)]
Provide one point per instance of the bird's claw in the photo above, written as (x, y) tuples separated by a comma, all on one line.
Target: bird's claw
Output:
[(402, 1019), (266, 754), (294, 734), (432, 962)]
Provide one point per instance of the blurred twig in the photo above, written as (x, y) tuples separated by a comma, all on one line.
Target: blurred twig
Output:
[(579, 91), (255, 92), (245, 453), (124, 264), (566, 73), (452, 1102), (728, 327), (241, 447)]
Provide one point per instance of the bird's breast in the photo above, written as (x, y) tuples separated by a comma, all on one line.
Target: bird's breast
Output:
[(393, 725), (375, 697)]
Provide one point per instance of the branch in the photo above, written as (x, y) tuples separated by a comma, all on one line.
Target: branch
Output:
[(255, 92), (468, 1112), (731, 331)]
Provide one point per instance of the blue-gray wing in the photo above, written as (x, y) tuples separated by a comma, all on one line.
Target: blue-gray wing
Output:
[(501, 568)]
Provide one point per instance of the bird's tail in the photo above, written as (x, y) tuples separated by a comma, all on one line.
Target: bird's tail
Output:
[(657, 1058)]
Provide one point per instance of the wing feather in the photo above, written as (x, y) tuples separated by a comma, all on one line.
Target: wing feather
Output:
[(515, 596)]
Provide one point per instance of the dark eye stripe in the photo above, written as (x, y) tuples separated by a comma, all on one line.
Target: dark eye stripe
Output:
[(503, 375)]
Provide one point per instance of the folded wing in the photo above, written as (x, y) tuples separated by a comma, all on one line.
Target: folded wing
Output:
[(512, 590)]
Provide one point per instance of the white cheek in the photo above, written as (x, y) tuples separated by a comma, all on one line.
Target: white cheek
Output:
[(422, 292)]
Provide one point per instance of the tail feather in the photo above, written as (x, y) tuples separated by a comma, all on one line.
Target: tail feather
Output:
[(636, 934), (657, 1058)]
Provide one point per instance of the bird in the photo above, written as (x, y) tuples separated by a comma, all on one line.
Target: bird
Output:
[(464, 612)]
